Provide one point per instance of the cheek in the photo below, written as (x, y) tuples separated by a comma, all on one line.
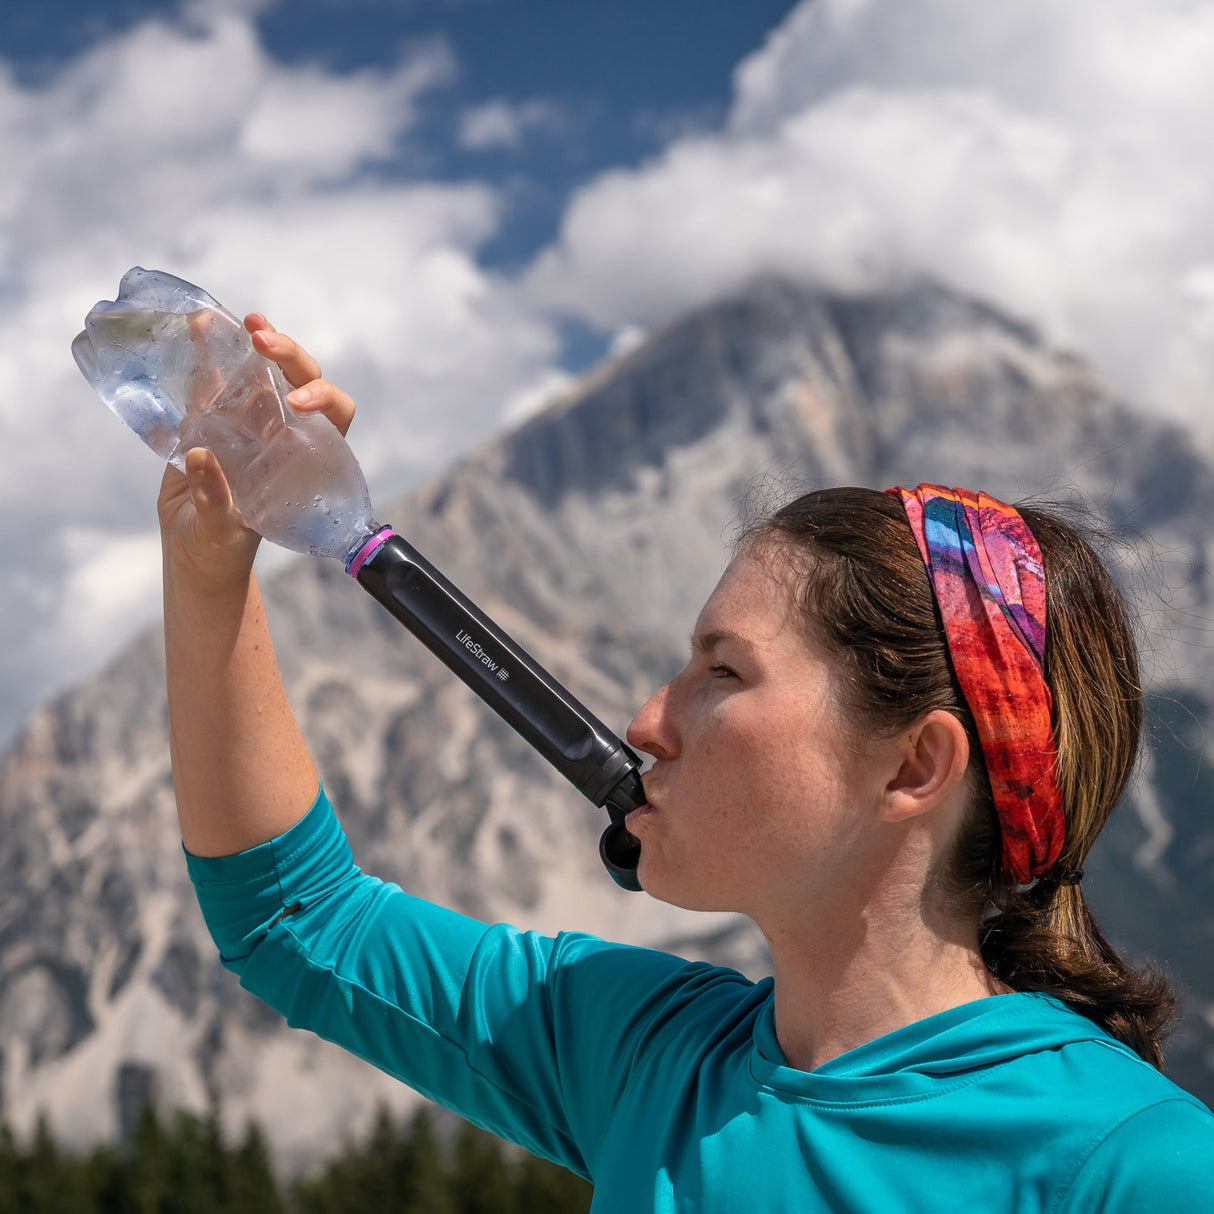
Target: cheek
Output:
[(780, 741), (797, 766)]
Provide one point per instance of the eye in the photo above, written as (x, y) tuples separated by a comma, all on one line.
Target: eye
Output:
[(722, 671)]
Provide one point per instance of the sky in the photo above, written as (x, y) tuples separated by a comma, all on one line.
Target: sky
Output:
[(458, 205)]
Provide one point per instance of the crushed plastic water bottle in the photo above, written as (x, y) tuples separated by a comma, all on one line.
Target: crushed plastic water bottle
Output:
[(181, 371)]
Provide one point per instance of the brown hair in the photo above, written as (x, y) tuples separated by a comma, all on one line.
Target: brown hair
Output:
[(861, 583)]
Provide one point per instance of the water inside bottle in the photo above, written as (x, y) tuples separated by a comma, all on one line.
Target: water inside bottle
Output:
[(181, 371)]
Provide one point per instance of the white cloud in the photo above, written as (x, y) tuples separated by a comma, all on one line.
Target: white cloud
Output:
[(328, 125), (180, 145), (626, 339), (505, 124), (1051, 157), (116, 575), (535, 397)]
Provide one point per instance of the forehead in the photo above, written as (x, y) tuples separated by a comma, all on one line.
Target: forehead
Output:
[(752, 598)]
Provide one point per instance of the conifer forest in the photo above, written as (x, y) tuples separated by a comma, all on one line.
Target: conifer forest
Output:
[(182, 1165)]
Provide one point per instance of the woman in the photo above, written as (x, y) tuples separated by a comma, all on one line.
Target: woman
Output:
[(859, 755)]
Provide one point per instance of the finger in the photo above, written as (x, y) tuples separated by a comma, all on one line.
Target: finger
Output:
[(257, 320), (174, 488), (209, 331), (297, 364), (320, 396), (219, 521), (209, 490), (213, 537), (219, 518)]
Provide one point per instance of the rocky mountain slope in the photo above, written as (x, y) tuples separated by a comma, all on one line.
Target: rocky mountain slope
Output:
[(592, 533)]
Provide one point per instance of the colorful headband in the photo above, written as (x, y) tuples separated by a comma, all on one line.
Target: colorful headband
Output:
[(986, 572)]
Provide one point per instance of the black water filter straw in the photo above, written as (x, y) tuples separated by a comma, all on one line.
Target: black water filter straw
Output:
[(513, 684)]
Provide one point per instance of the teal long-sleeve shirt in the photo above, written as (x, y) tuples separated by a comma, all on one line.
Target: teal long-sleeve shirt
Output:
[(661, 1080)]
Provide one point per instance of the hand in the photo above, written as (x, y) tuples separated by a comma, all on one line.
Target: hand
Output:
[(312, 394), (201, 529)]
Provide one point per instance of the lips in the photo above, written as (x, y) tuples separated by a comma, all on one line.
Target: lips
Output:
[(641, 811), (647, 808)]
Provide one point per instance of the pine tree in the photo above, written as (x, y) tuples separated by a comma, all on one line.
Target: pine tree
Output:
[(481, 1180), (44, 1181), (399, 1170), (107, 1178), (426, 1186), (10, 1171), (253, 1189), (150, 1164), (546, 1188)]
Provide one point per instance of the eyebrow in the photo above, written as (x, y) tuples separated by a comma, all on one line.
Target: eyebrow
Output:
[(710, 640)]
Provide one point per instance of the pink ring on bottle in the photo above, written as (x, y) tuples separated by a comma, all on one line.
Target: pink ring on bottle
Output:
[(367, 550)]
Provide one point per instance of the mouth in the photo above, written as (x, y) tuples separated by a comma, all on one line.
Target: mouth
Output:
[(645, 809), (641, 811)]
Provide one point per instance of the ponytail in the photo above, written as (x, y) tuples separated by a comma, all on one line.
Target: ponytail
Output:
[(1046, 939)]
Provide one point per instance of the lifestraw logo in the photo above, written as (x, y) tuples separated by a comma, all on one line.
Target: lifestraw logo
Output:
[(474, 648)]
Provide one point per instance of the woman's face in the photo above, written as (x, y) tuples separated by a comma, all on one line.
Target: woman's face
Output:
[(759, 798)]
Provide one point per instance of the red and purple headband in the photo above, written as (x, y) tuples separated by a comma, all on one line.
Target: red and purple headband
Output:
[(986, 572)]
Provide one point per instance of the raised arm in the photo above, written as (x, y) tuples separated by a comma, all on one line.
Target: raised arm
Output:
[(242, 773)]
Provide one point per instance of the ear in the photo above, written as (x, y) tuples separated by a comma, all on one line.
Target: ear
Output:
[(934, 756)]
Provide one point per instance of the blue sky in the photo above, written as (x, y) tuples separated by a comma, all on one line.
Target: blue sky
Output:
[(602, 83), (458, 204)]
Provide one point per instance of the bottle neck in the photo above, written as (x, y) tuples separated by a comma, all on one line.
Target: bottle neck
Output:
[(365, 546)]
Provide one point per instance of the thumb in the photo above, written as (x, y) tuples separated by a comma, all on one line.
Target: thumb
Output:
[(219, 520), (209, 490)]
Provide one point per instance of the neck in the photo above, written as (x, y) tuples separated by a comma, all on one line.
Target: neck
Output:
[(837, 989)]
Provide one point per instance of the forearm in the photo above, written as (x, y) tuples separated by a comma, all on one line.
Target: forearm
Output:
[(241, 770), (242, 773)]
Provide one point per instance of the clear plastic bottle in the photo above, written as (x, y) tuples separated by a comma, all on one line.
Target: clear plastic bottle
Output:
[(181, 371)]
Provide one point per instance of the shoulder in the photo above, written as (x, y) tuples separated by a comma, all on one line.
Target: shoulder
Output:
[(1102, 1128), (1147, 1143), (635, 1006), (588, 970), (1157, 1157), (624, 1020)]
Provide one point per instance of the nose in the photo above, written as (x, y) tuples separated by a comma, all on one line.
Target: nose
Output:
[(652, 729)]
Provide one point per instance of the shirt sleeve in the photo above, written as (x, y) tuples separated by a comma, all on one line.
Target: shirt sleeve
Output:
[(1161, 1158), (529, 1036)]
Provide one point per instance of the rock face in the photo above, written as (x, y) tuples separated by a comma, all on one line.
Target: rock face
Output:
[(592, 534)]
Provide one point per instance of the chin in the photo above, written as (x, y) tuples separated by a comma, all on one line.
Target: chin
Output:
[(676, 889)]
